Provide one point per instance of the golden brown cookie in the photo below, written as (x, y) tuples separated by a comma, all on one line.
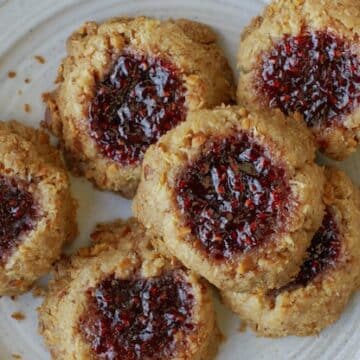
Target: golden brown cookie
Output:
[(120, 299), (330, 273), (304, 56), (233, 195), (126, 82), (37, 212)]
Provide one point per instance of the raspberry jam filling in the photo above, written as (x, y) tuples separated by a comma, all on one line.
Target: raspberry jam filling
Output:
[(234, 197), (17, 214), (138, 318), (315, 74), (321, 254), (141, 99)]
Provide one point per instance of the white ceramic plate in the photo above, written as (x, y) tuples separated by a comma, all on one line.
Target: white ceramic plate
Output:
[(40, 27)]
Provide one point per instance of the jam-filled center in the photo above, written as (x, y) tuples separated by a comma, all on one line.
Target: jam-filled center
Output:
[(138, 318), (233, 197), (322, 253), (315, 74), (17, 214), (141, 99)]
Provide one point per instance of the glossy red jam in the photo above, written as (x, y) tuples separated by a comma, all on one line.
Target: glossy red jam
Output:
[(315, 74), (139, 318), (141, 99), (321, 254), (234, 197), (17, 214)]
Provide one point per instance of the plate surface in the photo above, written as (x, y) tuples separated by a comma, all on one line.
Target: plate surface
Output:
[(33, 27)]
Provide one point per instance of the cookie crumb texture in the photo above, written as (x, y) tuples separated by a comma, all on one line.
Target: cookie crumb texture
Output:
[(306, 60), (121, 299), (232, 198), (124, 84), (37, 212), (138, 318), (329, 275)]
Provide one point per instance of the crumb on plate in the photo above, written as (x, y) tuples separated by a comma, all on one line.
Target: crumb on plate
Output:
[(27, 108), (242, 327), (18, 315), (40, 59), (38, 291)]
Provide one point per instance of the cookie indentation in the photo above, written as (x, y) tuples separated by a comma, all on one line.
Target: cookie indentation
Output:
[(234, 197), (17, 214), (321, 254), (142, 98), (313, 73), (138, 318)]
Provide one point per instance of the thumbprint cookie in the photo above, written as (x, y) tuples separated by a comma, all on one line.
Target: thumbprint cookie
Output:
[(120, 299), (232, 197), (304, 56), (329, 275), (124, 84), (37, 212)]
